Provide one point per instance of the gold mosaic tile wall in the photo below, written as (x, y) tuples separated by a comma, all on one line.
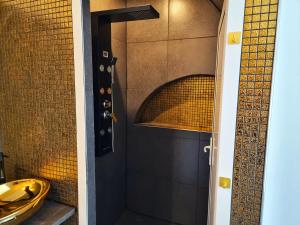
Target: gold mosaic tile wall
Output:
[(37, 99), (253, 110), (185, 104)]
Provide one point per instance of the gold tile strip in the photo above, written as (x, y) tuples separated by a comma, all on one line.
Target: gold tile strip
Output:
[(258, 46)]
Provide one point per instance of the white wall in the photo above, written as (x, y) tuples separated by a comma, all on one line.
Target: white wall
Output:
[(281, 198)]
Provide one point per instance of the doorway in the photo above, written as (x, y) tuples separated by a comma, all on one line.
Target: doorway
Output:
[(124, 169)]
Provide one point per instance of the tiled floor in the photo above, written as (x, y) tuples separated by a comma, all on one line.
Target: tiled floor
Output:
[(130, 218)]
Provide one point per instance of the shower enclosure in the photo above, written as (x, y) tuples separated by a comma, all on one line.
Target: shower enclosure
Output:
[(153, 108)]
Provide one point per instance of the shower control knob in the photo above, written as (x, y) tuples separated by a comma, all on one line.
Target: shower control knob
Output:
[(106, 115), (101, 68), (102, 91), (106, 104), (102, 132), (109, 130)]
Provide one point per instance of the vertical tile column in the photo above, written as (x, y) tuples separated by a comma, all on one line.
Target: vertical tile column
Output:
[(37, 94), (253, 110)]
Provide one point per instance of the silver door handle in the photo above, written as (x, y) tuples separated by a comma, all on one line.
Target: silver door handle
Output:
[(209, 148)]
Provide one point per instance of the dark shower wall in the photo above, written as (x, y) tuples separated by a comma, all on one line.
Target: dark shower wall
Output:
[(110, 168), (167, 169)]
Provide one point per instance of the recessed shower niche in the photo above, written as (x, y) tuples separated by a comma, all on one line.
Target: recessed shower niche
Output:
[(162, 104), (186, 103)]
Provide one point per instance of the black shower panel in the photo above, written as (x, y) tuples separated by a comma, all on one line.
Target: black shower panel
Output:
[(103, 63), (103, 70)]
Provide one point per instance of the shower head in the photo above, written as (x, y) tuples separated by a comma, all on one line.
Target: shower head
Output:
[(145, 12), (114, 61)]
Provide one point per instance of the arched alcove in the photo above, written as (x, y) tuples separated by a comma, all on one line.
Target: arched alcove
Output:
[(185, 104)]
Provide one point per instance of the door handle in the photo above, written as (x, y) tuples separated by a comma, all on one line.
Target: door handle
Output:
[(209, 148)]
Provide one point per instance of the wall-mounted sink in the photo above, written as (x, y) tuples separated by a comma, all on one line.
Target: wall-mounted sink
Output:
[(20, 199)]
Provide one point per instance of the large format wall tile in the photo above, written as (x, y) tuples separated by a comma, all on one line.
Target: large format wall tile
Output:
[(96, 5), (191, 56), (161, 156), (111, 195), (192, 18), (119, 50), (118, 29), (170, 165), (149, 30), (146, 65), (140, 193), (163, 166), (135, 98), (161, 198), (175, 202)]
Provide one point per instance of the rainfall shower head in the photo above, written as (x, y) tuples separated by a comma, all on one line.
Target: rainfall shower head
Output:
[(129, 14)]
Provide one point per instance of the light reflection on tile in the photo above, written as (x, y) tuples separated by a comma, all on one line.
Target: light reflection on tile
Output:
[(37, 99)]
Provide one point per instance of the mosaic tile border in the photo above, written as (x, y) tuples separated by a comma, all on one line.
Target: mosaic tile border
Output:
[(258, 47)]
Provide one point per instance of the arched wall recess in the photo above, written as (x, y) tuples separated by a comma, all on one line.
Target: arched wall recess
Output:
[(186, 103)]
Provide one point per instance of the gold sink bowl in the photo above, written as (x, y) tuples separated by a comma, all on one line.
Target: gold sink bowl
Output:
[(20, 199)]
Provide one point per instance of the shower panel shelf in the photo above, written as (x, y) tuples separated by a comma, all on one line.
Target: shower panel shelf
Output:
[(144, 12), (173, 127)]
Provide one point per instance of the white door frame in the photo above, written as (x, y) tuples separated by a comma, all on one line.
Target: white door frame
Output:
[(84, 112), (224, 154)]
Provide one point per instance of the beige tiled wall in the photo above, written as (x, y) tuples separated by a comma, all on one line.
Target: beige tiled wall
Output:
[(149, 30), (191, 56), (37, 98), (192, 19), (180, 43), (147, 65)]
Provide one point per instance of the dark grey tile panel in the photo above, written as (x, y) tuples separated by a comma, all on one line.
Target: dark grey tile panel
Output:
[(166, 157), (110, 199), (202, 206), (175, 202), (131, 218), (140, 193)]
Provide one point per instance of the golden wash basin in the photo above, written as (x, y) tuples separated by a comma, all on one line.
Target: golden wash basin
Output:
[(20, 199)]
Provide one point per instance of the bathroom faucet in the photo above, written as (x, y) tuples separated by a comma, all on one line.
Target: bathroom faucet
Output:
[(2, 172)]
